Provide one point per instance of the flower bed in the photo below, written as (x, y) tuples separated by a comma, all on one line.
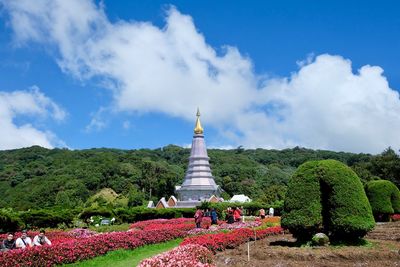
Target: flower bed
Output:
[(221, 241), (273, 220), (224, 226), (187, 255), (81, 233), (396, 217), (82, 244)]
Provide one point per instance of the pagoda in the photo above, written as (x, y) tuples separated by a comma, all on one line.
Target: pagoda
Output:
[(199, 184)]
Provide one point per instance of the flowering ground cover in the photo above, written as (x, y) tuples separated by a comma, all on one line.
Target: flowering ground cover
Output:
[(184, 224), (81, 244), (128, 257), (221, 241), (69, 247), (198, 250), (187, 255), (222, 226), (396, 217)]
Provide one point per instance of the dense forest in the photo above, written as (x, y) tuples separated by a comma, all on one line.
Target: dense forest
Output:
[(35, 177)]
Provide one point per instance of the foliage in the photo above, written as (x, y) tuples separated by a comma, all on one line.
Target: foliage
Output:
[(249, 208), (89, 212), (140, 213), (136, 197), (47, 218), (326, 196), (384, 198), (9, 221), (38, 177)]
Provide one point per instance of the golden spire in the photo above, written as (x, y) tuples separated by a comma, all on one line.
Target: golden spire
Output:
[(198, 129)]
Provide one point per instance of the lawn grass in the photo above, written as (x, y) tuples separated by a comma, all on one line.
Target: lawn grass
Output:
[(111, 228), (122, 257)]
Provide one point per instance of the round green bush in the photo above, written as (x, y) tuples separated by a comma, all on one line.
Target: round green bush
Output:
[(326, 196), (384, 197)]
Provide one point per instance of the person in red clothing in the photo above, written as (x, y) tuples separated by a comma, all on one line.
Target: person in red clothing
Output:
[(198, 217), (236, 214)]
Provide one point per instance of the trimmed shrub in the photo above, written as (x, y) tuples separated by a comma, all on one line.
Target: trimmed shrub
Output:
[(326, 196), (47, 218), (89, 212), (384, 197), (140, 213), (9, 221), (251, 208)]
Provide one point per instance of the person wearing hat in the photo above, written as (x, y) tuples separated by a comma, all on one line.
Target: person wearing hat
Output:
[(24, 241), (41, 239)]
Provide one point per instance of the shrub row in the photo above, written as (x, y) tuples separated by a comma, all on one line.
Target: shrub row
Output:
[(11, 221), (140, 214), (251, 208)]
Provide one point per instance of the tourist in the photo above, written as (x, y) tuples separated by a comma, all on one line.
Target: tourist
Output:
[(229, 215), (262, 213), (24, 241), (236, 214), (214, 216), (198, 217), (271, 212), (8, 243), (207, 213), (41, 239)]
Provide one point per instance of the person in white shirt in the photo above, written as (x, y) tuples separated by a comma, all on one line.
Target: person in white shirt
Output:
[(271, 212), (24, 241), (41, 239)]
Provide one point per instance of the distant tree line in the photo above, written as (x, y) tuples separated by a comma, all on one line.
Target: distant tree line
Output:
[(35, 177)]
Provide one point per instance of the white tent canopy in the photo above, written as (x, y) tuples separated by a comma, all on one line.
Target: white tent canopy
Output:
[(240, 198)]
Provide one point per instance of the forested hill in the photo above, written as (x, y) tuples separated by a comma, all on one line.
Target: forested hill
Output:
[(36, 177)]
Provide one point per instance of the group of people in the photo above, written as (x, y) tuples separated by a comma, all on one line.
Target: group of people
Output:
[(199, 215), (262, 213), (24, 241), (232, 215)]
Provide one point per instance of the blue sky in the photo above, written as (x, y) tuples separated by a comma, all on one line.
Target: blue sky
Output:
[(270, 74)]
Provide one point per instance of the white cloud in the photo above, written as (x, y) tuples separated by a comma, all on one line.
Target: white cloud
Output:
[(173, 70), (33, 104)]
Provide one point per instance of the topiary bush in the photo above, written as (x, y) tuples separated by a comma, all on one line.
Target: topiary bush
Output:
[(384, 197), (326, 196)]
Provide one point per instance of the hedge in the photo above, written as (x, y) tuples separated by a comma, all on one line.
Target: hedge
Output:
[(9, 221), (326, 196), (384, 197), (251, 208), (140, 213), (47, 218)]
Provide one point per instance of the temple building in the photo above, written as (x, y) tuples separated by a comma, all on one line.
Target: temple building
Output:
[(199, 184)]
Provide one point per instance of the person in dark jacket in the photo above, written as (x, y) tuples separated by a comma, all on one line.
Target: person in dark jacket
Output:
[(8, 243), (214, 216)]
